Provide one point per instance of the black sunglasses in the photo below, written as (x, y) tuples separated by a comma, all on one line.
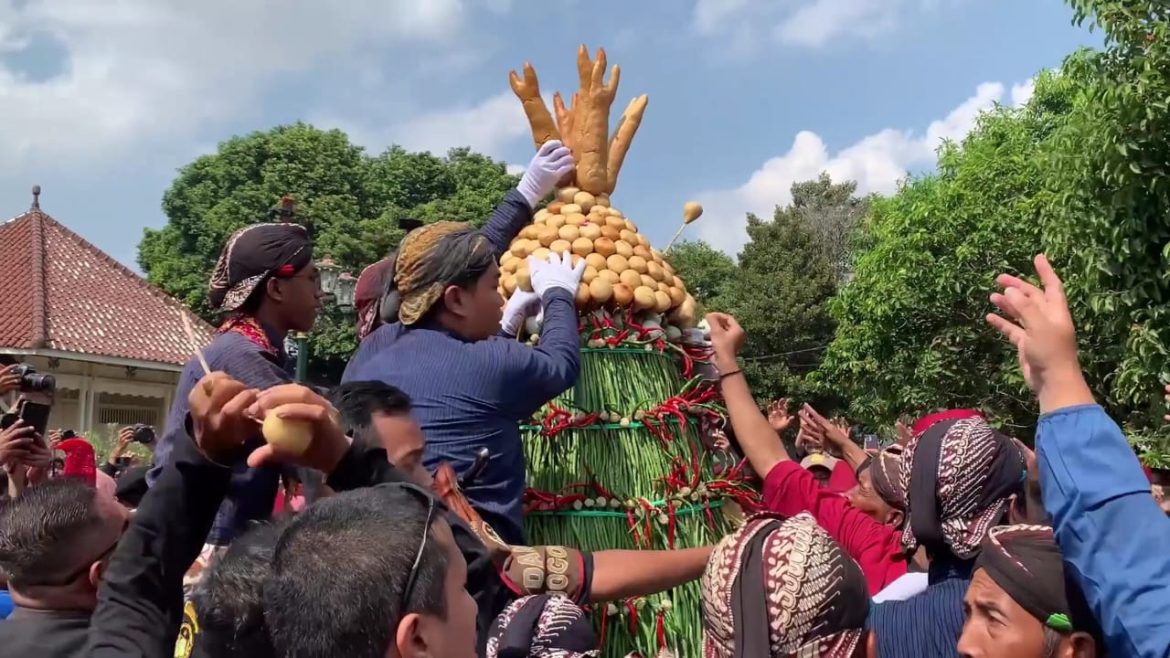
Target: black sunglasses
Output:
[(408, 591)]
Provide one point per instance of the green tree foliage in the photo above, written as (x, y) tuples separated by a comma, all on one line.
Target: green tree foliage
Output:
[(781, 293), (350, 201), (832, 213), (1109, 233), (910, 334), (706, 271)]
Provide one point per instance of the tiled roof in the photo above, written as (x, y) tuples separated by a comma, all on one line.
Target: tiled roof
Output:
[(59, 292)]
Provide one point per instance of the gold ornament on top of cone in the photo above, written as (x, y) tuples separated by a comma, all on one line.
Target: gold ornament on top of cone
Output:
[(623, 271)]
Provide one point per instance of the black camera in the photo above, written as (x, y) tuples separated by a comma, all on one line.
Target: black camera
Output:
[(32, 381), (143, 433)]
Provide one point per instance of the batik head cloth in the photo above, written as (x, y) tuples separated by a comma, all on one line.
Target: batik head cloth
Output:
[(1025, 562), (782, 588), (432, 258), (252, 255), (885, 476), (543, 626), (958, 476)]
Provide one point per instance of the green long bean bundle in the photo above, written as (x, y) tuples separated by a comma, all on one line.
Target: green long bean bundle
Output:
[(629, 462)]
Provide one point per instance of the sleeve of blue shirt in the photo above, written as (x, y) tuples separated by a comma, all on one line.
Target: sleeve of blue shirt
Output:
[(507, 219), (541, 373), (1108, 526)]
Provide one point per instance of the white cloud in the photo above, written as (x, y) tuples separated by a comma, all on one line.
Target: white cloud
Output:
[(1022, 92), (799, 23), (877, 162), (138, 70)]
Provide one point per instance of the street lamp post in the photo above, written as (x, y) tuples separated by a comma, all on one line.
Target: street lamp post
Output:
[(338, 286)]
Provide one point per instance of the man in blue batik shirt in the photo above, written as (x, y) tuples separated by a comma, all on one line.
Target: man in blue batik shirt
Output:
[(450, 351)]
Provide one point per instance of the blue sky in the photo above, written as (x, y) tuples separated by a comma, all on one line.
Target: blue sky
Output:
[(101, 102)]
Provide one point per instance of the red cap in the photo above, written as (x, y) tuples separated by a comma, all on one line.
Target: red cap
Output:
[(928, 421)]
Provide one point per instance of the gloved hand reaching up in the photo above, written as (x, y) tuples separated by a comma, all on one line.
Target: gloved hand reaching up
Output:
[(550, 164), (521, 305), (557, 272)]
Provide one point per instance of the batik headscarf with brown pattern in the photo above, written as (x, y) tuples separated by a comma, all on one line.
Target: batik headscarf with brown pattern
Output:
[(430, 259), (959, 476), (252, 255), (781, 587)]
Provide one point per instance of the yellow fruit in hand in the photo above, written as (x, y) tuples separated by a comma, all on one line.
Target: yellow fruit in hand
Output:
[(285, 434)]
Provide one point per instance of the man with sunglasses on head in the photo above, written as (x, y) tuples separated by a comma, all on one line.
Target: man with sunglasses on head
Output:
[(392, 549), (55, 544)]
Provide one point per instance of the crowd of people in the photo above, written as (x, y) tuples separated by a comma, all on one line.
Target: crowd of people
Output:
[(403, 536)]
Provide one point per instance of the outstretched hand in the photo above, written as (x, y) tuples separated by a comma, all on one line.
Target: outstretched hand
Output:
[(1037, 321), (778, 416), (293, 402), (552, 163)]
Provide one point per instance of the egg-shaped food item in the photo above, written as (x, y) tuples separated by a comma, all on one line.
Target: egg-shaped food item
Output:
[(637, 263), (288, 435), (601, 290), (617, 263), (630, 278), (622, 294), (604, 246)]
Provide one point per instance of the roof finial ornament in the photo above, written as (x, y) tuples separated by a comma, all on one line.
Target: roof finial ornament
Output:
[(36, 204), (285, 211)]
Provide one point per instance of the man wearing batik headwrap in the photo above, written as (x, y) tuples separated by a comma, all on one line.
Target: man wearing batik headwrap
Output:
[(783, 588), (1022, 604), (458, 360), (873, 541), (266, 284), (960, 478)]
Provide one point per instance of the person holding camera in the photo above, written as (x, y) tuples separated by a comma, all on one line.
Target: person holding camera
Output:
[(128, 474), (9, 379)]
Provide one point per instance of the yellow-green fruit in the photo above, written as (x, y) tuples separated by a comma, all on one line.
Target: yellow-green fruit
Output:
[(287, 435)]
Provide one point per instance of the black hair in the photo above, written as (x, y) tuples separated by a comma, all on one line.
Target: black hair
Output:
[(229, 602), (41, 530), (357, 402), (467, 257), (340, 569)]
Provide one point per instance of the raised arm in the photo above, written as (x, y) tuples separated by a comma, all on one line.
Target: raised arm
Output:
[(545, 371), (1102, 512), (140, 602), (760, 443), (550, 164)]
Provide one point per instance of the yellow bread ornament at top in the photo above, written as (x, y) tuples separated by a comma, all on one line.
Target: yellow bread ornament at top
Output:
[(288, 435), (623, 271)]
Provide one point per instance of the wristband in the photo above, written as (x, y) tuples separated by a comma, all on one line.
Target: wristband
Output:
[(722, 375)]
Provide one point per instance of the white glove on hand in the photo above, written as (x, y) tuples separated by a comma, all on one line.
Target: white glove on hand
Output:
[(520, 305), (550, 164), (557, 272)]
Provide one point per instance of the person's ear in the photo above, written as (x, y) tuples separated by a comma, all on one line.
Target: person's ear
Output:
[(1016, 512), (896, 517), (1078, 645), (274, 289), (454, 299), (96, 571), (409, 639)]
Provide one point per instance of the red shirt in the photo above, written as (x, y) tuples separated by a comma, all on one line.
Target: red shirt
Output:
[(877, 548)]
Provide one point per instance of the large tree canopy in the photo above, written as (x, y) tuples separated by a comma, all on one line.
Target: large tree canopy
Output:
[(785, 277), (350, 201)]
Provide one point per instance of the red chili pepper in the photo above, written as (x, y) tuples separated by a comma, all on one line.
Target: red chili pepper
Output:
[(661, 630), (633, 523), (604, 617), (633, 616)]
